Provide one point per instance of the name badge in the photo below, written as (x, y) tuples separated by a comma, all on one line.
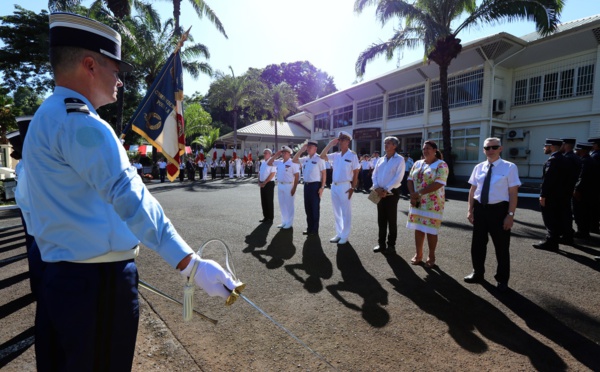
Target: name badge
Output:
[(348, 160), (314, 162), (287, 166)]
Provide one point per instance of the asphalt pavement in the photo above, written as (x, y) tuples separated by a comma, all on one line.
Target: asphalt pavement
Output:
[(357, 309)]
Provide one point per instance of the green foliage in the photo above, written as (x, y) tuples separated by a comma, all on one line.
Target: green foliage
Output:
[(24, 55), (197, 121), (208, 139), (308, 82), (27, 100), (8, 114)]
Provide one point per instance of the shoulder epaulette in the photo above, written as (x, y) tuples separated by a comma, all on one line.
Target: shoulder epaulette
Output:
[(76, 105)]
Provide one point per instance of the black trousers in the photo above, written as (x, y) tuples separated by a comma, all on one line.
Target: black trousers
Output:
[(267, 194), (387, 218), (213, 173), (312, 206), (222, 172), (87, 317), (489, 219), (582, 213), (552, 215)]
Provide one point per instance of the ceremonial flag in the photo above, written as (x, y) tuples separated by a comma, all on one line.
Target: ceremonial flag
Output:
[(201, 155), (234, 155), (159, 117), (245, 157), (223, 156), (250, 155), (214, 153)]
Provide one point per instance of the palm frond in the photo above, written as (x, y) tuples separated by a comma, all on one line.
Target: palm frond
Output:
[(202, 9)]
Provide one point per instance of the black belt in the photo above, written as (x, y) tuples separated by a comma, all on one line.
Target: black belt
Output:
[(308, 183), (502, 204)]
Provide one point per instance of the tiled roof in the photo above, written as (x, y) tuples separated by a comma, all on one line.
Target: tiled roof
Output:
[(267, 128), (562, 27)]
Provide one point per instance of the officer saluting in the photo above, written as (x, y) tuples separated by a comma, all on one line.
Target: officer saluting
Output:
[(88, 220), (554, 195), (313, 169)]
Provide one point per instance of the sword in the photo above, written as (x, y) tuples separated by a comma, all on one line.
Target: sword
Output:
[(164, 295), (235, 294)]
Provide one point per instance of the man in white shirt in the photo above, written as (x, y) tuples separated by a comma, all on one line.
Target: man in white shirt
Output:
[(313, 170), (266, 173), (345, 177), (238, 167), (288, 175), (162, 169), (492, 205), (387, 177)]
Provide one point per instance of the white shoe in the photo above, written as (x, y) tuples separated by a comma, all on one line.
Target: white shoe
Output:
[(342, 241), (335, 239), (280, 226)]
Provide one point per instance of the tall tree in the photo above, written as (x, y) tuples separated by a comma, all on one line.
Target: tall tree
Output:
[(8, 114), (24, 55), (428, 23), (202, 10), (208, 139), (231, 92), (279, 100), (309, 82), (197, 121)]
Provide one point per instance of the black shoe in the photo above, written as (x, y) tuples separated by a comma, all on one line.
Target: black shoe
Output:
[(546, 245), (391, 249), (473, 278), (379, 249), (266, 220), (597, 258), (502, 287)]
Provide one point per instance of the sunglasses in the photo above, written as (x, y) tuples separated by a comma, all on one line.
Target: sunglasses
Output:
[(487, 148)]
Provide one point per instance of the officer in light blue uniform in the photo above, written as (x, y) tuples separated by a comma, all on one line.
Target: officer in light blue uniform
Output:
[(88, 211)]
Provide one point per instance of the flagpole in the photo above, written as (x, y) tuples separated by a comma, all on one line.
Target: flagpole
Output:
[(182, 40)]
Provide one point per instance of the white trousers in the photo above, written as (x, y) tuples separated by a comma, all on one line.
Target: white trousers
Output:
[(231, 171), (342, 209), (286, 203), (238, 171)]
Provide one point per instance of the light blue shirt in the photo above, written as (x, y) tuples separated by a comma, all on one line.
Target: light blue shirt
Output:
[(388, 174), (83, 196)]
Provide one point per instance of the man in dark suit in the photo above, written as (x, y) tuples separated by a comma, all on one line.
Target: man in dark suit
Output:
[(554, 197), (595, 216), (573, 164), (585, 191)]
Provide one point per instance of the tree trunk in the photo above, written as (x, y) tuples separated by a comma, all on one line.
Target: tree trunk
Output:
[(176, 14), (446, 132), (235, 115), (276, 139)]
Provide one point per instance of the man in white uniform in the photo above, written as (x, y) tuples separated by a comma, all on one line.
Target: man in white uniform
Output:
[(266, 174), (345, 177), (288, 175), (313, 170)]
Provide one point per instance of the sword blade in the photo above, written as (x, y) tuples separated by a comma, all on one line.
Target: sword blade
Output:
[(285, 330), (164, 295)]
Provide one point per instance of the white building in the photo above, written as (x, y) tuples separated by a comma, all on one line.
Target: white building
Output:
[(521, 89)]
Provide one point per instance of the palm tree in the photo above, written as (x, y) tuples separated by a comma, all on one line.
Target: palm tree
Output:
[(280, 100), (208, 139), (233, 92), (429, 23), (202, 10)]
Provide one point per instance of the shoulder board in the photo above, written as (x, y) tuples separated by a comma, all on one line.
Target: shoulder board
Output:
[(76, 105)]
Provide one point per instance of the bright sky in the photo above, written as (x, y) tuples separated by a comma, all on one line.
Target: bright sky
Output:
[(327, 33)]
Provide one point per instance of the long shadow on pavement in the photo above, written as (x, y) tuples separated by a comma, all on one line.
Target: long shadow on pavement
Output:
[(280, 249), (443, 297), (314, 263), (356, 279), (538, 319)]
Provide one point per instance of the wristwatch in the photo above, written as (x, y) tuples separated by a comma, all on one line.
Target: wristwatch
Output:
[(512, 214)]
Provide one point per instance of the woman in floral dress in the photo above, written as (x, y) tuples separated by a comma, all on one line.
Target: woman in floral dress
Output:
[(426, 183)]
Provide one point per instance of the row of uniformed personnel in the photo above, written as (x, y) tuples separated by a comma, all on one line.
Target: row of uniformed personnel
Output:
[(568, 191)]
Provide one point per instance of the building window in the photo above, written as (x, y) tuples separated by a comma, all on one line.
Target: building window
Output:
[(322, 122), (463, 90), (369, 110), (465, 143), (407, 102), (342, 117), (556, 81)]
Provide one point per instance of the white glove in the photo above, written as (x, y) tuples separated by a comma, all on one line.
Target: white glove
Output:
[(211, 277)]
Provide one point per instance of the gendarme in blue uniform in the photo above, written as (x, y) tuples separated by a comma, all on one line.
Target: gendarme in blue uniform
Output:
[(75, 156)]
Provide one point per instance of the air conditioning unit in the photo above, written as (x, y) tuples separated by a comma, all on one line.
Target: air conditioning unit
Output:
[(332, 134), (515, 134), (518, 152), (325, 134), (499, 106)]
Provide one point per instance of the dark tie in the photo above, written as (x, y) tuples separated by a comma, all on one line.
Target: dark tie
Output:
[(485, 192)]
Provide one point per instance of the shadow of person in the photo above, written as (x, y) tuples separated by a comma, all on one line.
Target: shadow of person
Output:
[(538, 319), (280, 249), (465, 309), (355, 279), (314, 263), (257, 238)]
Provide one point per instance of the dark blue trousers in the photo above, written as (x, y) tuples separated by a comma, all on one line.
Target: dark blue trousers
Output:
[(87, 317), (312, 206)]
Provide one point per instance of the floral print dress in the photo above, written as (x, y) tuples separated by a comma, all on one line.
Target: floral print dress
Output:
[(428, 216)]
